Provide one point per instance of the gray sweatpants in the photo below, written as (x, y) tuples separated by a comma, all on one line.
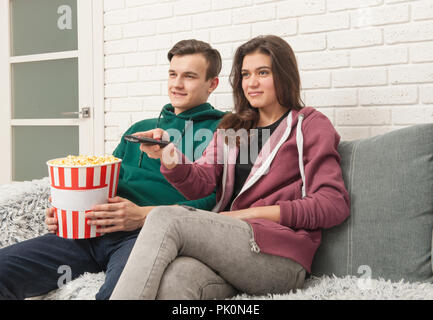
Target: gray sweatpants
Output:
[(182, 252)]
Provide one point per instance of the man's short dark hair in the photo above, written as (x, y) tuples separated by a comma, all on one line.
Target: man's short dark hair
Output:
[(193, 46)]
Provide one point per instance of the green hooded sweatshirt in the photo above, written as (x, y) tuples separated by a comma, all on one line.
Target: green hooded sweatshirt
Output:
[(141, 181)]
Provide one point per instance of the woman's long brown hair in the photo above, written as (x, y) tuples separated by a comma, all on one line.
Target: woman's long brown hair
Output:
[(286, 80)]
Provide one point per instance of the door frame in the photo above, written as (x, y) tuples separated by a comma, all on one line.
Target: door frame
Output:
[(91, 94)]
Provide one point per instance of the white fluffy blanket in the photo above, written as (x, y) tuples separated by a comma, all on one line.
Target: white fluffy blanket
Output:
[(22, 206)]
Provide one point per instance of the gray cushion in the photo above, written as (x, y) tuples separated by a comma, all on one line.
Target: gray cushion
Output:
[(389, 232)]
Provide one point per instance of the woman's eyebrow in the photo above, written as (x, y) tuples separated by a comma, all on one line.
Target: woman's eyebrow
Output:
[(259, 68)]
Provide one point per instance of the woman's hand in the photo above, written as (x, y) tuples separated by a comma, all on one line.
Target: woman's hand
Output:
[(118, 214), (239, 214), (167, 155), (267, 212)]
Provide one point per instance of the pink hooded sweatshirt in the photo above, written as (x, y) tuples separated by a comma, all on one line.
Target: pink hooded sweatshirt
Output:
[(298, 169)]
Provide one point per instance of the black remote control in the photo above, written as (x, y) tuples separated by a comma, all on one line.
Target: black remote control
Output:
[(146, 141)]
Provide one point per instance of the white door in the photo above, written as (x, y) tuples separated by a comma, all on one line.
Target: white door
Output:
[(47, 85)]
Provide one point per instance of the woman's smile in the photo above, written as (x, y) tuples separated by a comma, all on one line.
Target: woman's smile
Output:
[(255, 93)]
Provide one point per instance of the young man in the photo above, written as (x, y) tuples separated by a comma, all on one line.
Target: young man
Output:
[(35, 267)]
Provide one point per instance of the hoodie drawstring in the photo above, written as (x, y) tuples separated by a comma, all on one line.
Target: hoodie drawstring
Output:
[(300, 145)]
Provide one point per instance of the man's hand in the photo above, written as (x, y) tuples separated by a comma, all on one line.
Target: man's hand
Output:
[(118, 214), (50, 221)]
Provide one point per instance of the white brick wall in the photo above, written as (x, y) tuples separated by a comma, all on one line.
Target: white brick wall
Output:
[(366, 64)]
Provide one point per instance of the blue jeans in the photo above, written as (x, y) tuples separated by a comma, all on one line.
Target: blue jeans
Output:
[(33, 267)]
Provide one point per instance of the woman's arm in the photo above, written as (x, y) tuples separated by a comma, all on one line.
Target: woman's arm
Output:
[(327, 202), (194, 180)]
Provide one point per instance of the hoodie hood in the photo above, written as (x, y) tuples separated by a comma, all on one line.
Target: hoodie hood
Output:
[(305, 112), (203, 116), (200, 113)]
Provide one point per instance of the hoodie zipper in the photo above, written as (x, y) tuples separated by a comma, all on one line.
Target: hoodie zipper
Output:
[(285, 136), (224, 180), (253, 244)]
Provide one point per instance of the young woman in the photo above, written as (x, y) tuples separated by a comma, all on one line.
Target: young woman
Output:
[(272, 202)]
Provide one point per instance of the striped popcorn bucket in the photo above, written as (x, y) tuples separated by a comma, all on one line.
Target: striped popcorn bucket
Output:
[(75, 190)]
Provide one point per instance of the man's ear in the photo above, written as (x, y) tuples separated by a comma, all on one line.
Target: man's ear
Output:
[(213, 85)]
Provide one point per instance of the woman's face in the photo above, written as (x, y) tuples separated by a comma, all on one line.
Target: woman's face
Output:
[(258, 81)]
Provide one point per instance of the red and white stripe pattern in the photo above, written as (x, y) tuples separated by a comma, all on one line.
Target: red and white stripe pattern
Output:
[(75, 190), (73, 225), (86, 178)]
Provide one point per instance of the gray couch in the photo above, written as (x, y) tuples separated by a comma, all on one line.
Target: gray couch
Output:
[(387, 238), (389, 232)]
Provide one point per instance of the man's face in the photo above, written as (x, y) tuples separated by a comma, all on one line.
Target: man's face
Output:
[(187, 84)]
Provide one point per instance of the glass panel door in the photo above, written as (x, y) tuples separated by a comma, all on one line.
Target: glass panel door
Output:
[(50, 72), (34, 145), (41, 26), (45, 89)]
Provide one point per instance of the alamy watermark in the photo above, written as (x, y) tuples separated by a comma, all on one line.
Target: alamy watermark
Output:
[(64, 22), (364, 282), (195, 143), (66, 275)]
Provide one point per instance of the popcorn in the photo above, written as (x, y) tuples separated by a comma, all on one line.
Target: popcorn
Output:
[(77, 184), (83, 160)]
